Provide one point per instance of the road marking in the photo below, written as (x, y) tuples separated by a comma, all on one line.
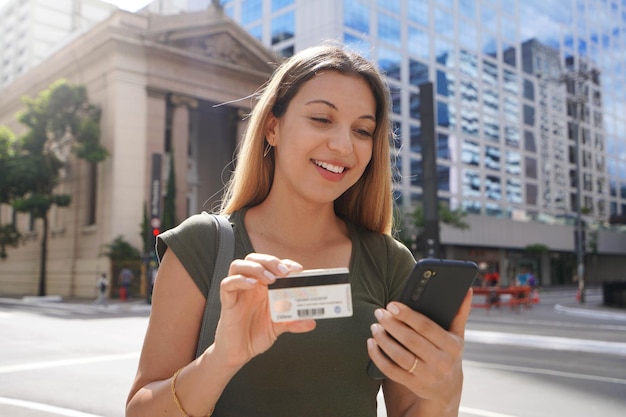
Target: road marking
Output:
[(45, 408), (607, 315), (546, 342), (66, 362), (545, 372), (482, 413)]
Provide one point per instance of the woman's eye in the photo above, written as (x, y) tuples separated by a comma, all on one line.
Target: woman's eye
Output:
[(320, 119), (364, 132)]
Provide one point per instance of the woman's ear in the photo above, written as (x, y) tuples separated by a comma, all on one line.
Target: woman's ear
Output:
[(271, 126)]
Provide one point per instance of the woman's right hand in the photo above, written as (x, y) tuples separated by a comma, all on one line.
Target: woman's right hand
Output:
[(245, 328)]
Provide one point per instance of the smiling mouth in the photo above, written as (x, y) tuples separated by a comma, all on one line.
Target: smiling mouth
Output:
[(329, 167)]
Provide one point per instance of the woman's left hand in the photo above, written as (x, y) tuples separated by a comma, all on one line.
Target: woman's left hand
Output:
[(424, 357)]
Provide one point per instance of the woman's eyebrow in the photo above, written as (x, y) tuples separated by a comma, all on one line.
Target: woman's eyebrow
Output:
[(331, 105)]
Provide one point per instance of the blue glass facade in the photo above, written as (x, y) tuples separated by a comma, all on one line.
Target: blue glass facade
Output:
[(530, 95)]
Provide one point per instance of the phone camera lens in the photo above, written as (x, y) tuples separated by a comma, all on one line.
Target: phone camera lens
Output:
[(428, 273)]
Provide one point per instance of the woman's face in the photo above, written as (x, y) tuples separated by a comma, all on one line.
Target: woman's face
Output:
[(324, 140)]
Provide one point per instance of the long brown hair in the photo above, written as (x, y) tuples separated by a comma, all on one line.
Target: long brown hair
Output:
[(367, 203)]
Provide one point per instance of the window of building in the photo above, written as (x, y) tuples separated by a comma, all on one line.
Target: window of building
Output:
[(417, 11), (471, 206), (416, 139), (283, 27), (389, 29), (493, 187), (470, 153), (490, 101), (443, 177), (468, 35), (444, 52), (491, 128), (393, 6), (531, 194), (390, 62), (251, 11), (512, 136), (530, 167), (471, 183), (445, 84), (444, 23), (514, 191), (418, 72), (443, 148), (414, 106), (281, 4), (356, 15), (529, 115), (418, 43), (513, 162), (492, 157), (493, 210)]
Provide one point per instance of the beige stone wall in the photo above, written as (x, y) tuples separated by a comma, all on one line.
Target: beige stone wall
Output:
[(129, 69)]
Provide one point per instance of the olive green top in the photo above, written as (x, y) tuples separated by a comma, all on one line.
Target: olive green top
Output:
[(320, 373)]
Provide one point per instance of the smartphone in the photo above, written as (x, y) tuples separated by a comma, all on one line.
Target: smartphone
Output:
[(435, 288)]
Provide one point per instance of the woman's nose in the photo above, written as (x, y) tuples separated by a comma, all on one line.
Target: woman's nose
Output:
[(341, 141)]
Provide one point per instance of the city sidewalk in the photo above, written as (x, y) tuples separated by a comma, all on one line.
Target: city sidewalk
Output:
[(592, 308), (112, 306)]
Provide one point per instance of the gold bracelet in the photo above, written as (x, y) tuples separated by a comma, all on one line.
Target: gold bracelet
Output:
[(177, 401)]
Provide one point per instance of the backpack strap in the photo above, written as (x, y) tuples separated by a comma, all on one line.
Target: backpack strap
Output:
[(225, 253)]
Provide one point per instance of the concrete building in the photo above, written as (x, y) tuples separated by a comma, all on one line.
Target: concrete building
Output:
[(32, 30), (167, 85)]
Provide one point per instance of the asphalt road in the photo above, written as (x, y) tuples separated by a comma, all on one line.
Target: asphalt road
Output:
[(552, 360)]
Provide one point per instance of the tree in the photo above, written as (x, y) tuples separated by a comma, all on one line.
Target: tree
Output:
[(414, 221), (9, 236), (60, 121)]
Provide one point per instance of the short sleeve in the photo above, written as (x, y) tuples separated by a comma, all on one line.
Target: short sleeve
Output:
[(194, 243)]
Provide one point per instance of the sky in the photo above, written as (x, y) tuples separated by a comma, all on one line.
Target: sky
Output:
[(130, 5)]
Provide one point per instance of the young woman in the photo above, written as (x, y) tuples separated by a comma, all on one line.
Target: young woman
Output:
[(312, 189)]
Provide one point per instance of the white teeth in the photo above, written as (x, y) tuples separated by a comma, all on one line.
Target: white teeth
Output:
[(332, 168)]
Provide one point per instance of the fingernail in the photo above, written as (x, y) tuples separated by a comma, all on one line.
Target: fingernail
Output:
[(251, 280), (269, 275), (375, 328), (379, 314), (283, 268), (371, 344), (393, 309)]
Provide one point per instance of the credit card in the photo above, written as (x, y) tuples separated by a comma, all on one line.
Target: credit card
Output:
[(311, 294)]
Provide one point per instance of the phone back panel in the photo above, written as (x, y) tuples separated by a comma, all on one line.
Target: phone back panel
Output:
[(442, 293)]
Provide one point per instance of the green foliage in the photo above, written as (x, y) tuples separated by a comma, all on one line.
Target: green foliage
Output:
[(120, 250), (60, 121), (414, 221), (536, 248), (452, 218), (9, 236)]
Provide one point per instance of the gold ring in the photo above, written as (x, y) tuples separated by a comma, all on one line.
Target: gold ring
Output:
[(413, 366)]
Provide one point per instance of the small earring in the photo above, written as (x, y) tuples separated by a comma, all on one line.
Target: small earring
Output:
[(267, 150)]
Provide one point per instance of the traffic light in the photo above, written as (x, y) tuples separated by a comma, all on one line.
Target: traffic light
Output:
[(155, 231)]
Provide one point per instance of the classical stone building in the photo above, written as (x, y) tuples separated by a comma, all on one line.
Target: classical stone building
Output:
[(175, 86)]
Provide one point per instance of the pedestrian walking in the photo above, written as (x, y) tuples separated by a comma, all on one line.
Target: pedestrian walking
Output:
[(125, 279), (312, 188), (102, 286)]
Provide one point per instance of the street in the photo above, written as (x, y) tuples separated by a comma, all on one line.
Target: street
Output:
[(78, 360)]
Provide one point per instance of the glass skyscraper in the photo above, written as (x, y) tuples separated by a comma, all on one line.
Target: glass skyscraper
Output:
[(529, 94), (518, 84)]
